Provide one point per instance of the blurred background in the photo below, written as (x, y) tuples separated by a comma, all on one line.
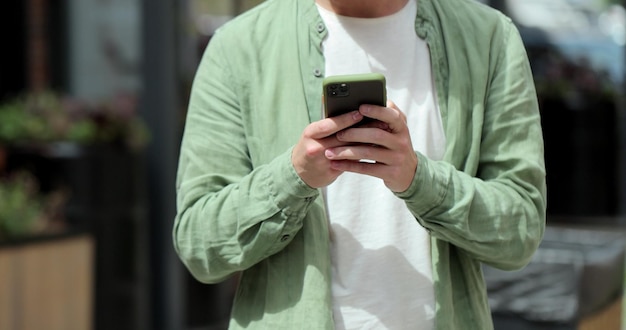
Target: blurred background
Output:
[(93, 96)]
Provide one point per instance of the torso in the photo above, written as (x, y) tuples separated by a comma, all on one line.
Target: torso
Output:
[(382, 271)]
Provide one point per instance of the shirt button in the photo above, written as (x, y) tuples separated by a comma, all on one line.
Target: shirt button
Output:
[(320, 27), (317, 72), (284, 238)]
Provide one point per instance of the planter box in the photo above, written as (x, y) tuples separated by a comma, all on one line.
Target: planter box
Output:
[(47, 284)]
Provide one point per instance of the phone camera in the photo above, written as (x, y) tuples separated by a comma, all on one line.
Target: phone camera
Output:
[(338, 90)]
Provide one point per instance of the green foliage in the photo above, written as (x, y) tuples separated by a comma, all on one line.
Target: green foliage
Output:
[(48, 117), (21, 206)]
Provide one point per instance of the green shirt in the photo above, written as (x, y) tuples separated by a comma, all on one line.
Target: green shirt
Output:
[(243, 210)]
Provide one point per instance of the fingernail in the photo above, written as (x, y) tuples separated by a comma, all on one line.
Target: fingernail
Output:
[(365, 108), (329, 153), (357, 115)]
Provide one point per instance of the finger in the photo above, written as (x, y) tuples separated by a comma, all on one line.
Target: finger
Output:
[(373, 124), (329, 126), (392, 105), (377, 136), (390, 115), (361, 152), (377, 169), (332, 142), (391, 176)]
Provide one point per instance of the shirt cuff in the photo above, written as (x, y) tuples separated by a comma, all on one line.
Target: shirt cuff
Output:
[(428, 188), (286, 187)]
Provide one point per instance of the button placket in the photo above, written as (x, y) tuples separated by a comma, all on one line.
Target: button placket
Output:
[(321, 29)]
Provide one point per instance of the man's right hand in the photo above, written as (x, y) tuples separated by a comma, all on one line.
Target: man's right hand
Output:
[(308, 157)]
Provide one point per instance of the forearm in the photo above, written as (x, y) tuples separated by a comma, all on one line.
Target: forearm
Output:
[(490, 199), (499, 221), (222, 228)]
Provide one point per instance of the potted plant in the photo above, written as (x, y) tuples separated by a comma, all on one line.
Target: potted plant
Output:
[(75, 145), (45, 117), (24, 210)]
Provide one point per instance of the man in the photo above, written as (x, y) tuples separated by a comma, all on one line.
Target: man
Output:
[(269, 190)]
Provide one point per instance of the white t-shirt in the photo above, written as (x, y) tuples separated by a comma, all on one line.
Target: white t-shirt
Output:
[(381, 257)]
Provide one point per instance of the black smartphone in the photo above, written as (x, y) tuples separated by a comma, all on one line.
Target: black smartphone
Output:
[(345, 93)]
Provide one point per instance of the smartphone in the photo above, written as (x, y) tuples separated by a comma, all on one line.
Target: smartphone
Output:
[(345, 93)]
